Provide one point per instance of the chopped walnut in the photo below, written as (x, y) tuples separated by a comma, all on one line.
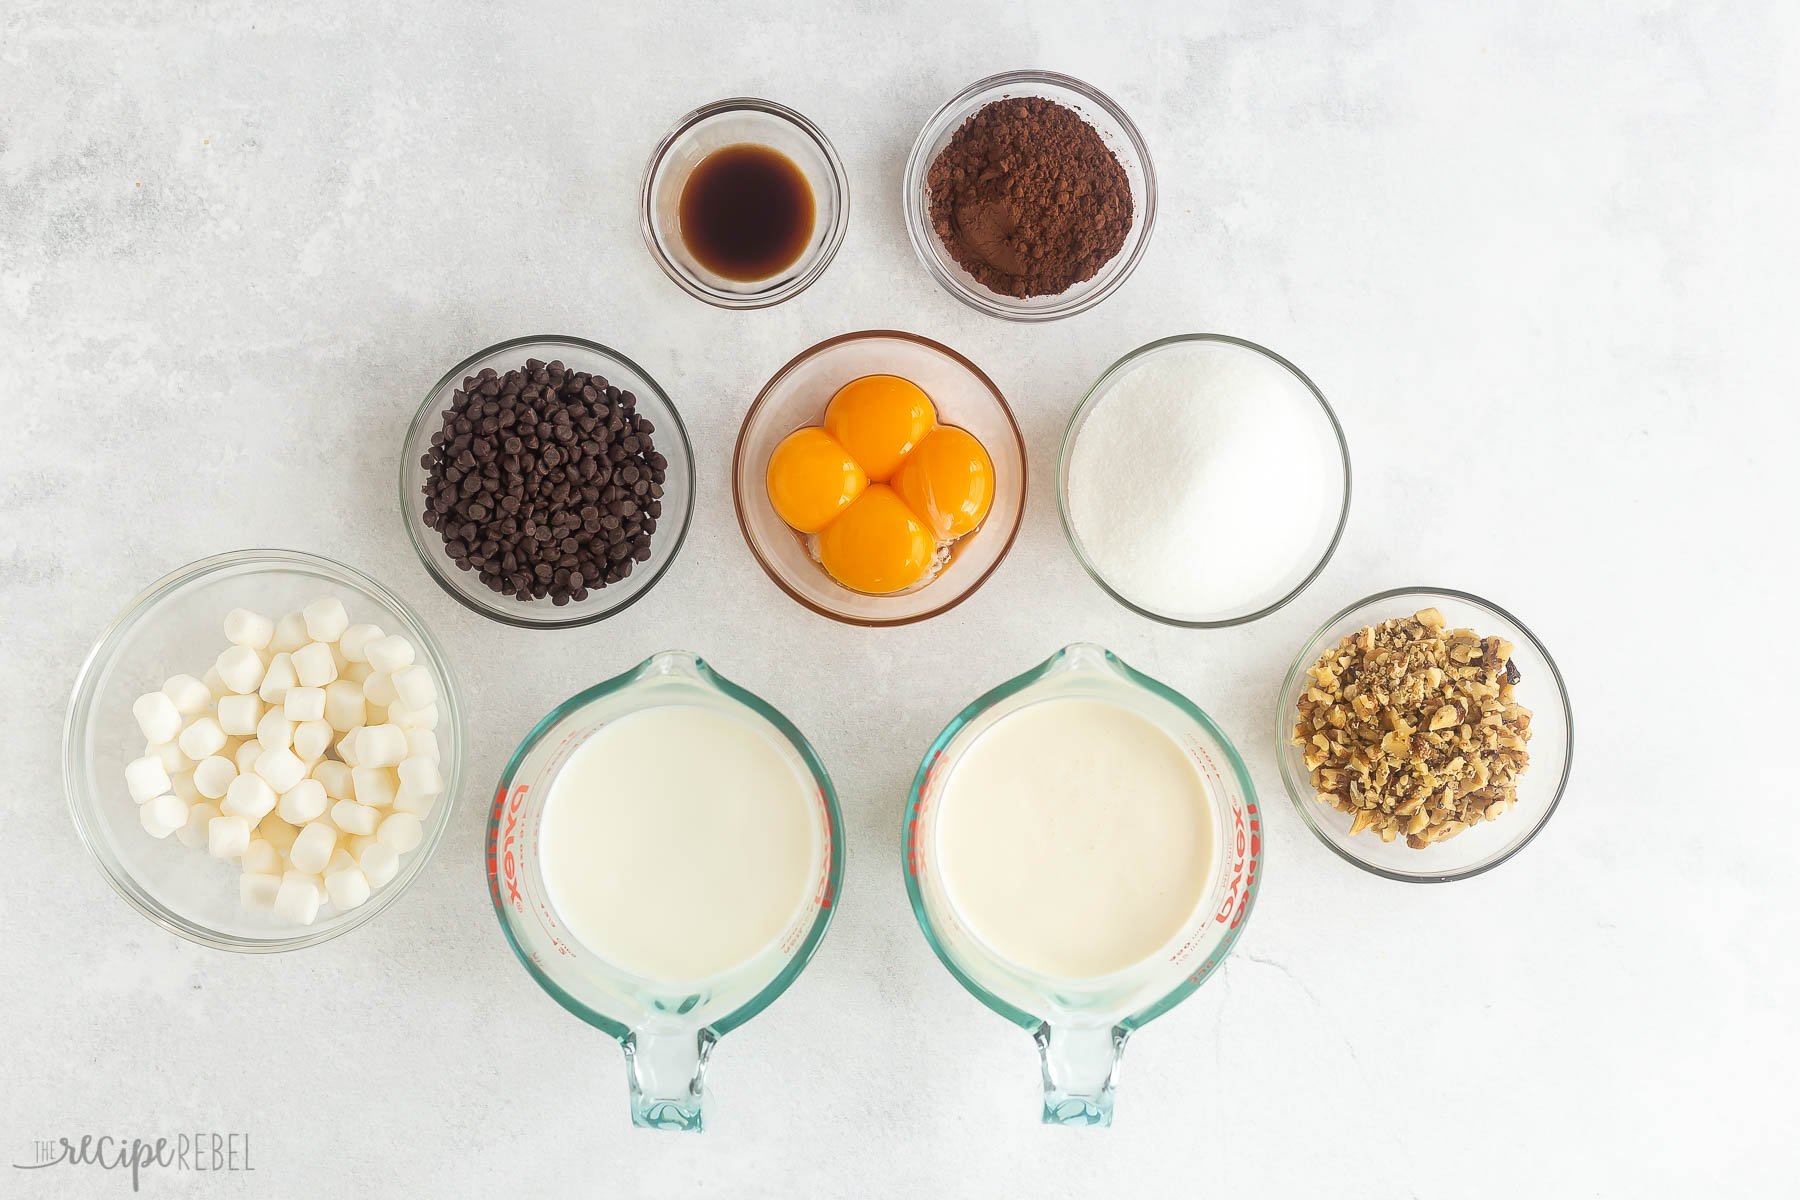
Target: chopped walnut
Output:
[(1412, 728)]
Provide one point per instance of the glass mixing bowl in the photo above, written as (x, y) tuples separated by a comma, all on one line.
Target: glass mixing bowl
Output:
[(796, 396), (678, 487), (1115, 129), (1481, 847), (175, 627), (740, 120)]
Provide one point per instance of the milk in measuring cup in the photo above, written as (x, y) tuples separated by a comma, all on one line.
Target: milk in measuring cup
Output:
[(1075, 837), (679, 841)]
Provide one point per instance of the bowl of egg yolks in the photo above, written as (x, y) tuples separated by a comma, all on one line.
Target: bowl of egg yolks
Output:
[(879, 478)]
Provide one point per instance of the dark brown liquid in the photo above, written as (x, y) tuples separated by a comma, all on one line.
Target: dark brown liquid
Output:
[(746, 212)]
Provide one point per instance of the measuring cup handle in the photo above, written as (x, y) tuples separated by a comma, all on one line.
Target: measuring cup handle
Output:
[(1081, 1066), (665, 1071)]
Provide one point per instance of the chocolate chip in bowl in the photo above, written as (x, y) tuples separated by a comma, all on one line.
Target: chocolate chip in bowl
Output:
[(547, 482), (1424, 735)]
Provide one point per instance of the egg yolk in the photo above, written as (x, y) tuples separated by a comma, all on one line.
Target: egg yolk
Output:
[(879, 419), (812, 479), (948, 480), (878, 545)]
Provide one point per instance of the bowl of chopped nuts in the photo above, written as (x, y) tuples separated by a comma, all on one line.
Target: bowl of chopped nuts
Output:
[(1425, 735)]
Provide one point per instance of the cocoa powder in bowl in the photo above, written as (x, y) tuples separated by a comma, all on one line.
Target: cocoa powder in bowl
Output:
[(1028, 199)]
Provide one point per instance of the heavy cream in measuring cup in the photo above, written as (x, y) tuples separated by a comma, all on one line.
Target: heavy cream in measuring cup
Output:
[(679, 841), (1075, 837)]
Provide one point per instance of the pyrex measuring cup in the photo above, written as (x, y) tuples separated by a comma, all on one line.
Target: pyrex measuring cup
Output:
[(667, 1031), (1081, 1025)]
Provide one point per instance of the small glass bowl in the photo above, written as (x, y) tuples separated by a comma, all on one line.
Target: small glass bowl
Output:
[(1114, 128), (743, 119), (796, 396), (578, 354), (1329, 532), (1481, 847), (176, 626)]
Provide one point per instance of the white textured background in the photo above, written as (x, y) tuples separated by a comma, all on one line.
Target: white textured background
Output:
[(1543, 263)]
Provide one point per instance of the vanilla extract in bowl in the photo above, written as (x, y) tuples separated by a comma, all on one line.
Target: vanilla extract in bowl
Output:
[(747, 212)]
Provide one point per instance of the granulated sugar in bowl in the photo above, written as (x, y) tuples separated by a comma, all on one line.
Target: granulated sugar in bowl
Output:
[(1204, 481)]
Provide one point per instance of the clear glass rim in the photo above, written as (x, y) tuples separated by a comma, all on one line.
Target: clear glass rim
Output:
[(834, 236), (738, 468), (918, 225), (833, 814), (1079, 418), (432, 407), (82, 804), (1192, 982), (1300, 792)]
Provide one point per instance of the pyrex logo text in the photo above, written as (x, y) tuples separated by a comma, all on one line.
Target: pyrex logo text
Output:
[(509, 863)]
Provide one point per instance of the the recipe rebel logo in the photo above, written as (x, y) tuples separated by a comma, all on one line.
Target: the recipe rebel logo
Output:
[(190, 1153)]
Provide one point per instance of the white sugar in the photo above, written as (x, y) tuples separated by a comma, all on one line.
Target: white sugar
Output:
[(1206, 482)]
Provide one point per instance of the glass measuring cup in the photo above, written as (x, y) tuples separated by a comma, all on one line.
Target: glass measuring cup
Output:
[(667, 1031), (1081, 1025)]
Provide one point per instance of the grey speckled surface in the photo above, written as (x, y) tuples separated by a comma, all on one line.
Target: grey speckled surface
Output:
[(1541, 261)]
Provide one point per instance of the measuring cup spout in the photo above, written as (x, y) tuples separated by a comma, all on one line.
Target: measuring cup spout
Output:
[(1081, 1067), (664, 1071)]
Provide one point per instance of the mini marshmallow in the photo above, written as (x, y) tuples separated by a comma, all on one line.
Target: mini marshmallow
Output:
[(297, 899), (261, 858), (314, 666), (241, 668), (214, 684), (278, 679), (357, 845), (356, 672), (344, 707), (400, 832), (374, 786), (334, 776), (311, 740), (245, 757), (146, 779), (417, 803), (238, 715), (204, 738), (213, 776), (304, 704), (278, 833), (380, 746), (346, 746), (280, 768), (312, 849), (157, 716), (256, 893), (359, 820), (355, 641), (414, 686), (379, 862), (325, 619), (249, 797), (182, 785), (246, 628), (412, 718), (420, 775), (340, 858), (191, 697), (303, 802), (422, 743), (375, 714), (163, 815), (379, 689), (348, 887), (274, 731), (170, 756), (193, 832), (389, 654), (290, 634), (227, 836)]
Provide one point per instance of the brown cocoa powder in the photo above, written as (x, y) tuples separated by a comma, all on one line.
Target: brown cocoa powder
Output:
[(1028, 199)]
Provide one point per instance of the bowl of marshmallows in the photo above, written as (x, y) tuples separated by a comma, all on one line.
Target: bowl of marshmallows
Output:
[(262, 750)]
